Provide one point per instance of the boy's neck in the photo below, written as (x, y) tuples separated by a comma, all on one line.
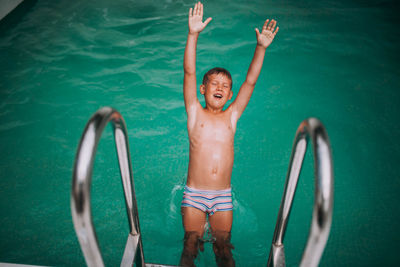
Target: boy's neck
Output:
[(212, 110)]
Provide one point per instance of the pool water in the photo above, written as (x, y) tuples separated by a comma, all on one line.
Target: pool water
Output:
[(335, 60)]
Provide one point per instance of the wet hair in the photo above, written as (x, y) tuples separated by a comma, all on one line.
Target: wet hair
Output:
[(217, 70)]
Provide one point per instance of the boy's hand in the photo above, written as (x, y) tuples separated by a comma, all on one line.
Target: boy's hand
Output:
[(196, 24), (267, 34)]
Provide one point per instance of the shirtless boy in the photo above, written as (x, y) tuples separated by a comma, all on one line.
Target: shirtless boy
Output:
[(211, 132)]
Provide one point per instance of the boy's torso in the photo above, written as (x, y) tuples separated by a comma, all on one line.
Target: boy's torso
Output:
[(211, 153)]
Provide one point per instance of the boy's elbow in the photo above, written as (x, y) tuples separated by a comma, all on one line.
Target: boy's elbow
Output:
[(251, 82), (189, 71)]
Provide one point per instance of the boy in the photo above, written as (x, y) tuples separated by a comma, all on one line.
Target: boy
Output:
[(211, 132)]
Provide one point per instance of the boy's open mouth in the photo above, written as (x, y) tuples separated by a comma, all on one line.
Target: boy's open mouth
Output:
[(218, 95)]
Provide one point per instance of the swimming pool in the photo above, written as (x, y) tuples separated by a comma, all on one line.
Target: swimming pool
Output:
[(334, 60)]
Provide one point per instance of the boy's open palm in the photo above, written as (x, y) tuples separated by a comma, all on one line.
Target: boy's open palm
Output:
[(267, 34), (196, 24)]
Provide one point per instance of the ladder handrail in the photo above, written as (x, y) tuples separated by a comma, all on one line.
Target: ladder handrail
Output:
[(312, 129), (81, 183)]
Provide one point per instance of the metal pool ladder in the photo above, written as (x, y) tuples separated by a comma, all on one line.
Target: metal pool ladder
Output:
[(81, 182), (323, 198), (133, 254)]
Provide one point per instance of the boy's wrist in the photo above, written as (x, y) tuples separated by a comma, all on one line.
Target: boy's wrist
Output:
[(194, 33), (259, 46)]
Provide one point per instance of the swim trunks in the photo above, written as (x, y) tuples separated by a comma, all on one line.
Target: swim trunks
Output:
[(208, 201)]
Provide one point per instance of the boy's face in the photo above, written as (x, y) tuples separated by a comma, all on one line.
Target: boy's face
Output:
[(217, 91)]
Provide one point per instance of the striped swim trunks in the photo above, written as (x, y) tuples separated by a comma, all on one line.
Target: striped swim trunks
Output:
[(208, 201)]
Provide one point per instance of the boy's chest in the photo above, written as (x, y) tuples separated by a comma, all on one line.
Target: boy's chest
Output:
[(214, 129)]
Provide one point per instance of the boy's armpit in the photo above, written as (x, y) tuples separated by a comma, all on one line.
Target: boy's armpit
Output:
[(192, 111), (242, 99), (235, 115)]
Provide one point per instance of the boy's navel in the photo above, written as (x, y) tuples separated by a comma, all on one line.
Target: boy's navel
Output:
[(216, 159)]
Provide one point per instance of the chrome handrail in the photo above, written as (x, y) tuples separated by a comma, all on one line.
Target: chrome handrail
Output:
[(81, 182), (323, 199)]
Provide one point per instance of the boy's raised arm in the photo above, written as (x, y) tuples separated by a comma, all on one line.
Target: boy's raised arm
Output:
[(196, 25), (264, 39)]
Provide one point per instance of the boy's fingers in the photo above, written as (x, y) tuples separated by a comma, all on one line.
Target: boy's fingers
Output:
[(201, 9), (190, 12), (207, 21), (257, 32), (265, 24), (273, 26), (198, 8), (270, 25), (195, 9), (276, 31)]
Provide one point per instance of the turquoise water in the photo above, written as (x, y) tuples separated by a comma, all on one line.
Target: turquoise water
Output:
[(336, 60)]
